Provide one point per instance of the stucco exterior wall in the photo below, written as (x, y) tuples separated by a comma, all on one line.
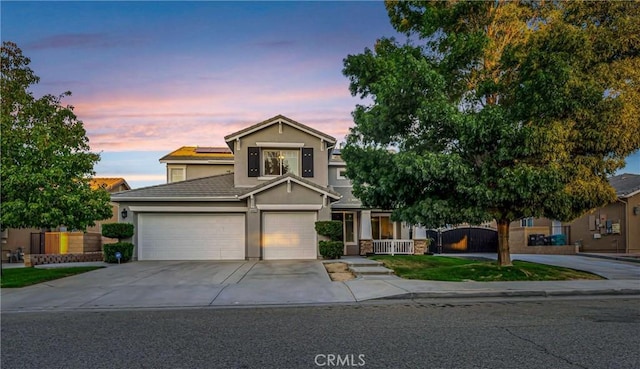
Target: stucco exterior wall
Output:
[(289, 135), (253, 238), (17, 237), (199, 171), (193, 171), (633, 223), (584, 233), (537, 222), (333, 177), (280, 195)]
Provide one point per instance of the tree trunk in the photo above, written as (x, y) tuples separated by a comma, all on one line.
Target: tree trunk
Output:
[(504, 255)]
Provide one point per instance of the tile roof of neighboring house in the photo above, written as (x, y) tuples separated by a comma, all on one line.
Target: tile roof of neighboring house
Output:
[(108, 184), (626, 184), (219, 187), (274, 120), (214, 188), (348, 200), (199, 153)]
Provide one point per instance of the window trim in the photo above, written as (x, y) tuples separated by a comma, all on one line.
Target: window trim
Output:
[(391, 224), (280, 151), (338, 176), (526, 222), (343, 214), (182, 168)]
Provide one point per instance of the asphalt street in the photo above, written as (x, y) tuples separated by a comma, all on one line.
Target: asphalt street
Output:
[(559, 333)]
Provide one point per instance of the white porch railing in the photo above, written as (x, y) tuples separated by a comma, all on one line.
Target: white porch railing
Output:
[(393, 247)]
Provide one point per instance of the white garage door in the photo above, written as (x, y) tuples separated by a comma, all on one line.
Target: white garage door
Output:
[(191, 236), (289, 236)]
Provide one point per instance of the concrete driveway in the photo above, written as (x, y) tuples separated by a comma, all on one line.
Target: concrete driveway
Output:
[(179, 283)]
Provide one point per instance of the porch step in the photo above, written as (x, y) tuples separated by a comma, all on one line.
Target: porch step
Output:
[(364, 264), (359, 262), (370, 270)]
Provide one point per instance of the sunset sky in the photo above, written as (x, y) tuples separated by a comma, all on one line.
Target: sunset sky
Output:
[(149, 77)]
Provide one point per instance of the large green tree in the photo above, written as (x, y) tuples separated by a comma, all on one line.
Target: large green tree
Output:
[(45, 163), (495, 110)]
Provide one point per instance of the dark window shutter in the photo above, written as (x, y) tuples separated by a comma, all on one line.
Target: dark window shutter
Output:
[(307, 162), (253, 163)]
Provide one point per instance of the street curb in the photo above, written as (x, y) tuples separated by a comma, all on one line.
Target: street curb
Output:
[(449, 294), (607, 257)]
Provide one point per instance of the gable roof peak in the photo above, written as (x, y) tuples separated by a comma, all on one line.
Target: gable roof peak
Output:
[(293, 178), (274, 120), (108, 183)]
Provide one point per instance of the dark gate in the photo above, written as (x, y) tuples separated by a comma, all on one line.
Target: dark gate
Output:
[(463, 240), (37, 243)]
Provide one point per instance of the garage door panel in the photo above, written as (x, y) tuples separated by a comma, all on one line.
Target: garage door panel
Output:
[(191, 236), (289, 236)]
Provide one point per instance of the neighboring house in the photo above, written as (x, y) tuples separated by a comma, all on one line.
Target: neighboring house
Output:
[(540, 236), (612, 228), (259, 199), (191, 162), (112, 185), (615, 227), (32, 240)]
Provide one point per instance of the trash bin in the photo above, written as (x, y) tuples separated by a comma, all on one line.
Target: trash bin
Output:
[(558, 240), (536, 240)]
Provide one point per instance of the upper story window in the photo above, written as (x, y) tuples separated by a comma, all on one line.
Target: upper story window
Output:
[(278, 162), (342, 173), (526, 222), (176, 175)]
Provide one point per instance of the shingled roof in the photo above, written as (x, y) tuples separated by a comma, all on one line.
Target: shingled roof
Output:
[(348, 200), (214, 188), (626, 184)]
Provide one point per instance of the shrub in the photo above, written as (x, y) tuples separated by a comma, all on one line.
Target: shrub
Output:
[(117, 230), (109, 251), (331, 249), (330, 228)]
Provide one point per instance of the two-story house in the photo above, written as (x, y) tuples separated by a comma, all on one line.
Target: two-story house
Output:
[(257, 198)]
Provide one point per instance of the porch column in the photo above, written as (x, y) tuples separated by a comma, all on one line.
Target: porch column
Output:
[(419, 240), (366, 241)]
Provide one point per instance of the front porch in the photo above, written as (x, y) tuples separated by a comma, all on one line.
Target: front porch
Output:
[(393, 247)]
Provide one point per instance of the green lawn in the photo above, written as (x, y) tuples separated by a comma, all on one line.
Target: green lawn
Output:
[(20, 277), (443, 268)]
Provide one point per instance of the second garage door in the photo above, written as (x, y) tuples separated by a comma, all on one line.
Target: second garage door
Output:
[(289, 236), (165, 236)]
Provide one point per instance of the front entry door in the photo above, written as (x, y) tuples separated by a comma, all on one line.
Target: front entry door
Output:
[(348, 220)]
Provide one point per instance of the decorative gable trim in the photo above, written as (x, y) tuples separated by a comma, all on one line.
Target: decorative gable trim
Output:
[(288, 178), (280, 120), (285, 145), (289, 206)]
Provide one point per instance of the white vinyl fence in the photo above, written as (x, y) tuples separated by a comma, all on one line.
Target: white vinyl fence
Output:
[(392, 247)]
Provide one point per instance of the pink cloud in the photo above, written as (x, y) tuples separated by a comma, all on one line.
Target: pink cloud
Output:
[(139, 121)]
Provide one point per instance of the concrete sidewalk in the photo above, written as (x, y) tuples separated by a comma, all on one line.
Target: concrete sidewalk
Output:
[(250, 283), (623, 278)]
